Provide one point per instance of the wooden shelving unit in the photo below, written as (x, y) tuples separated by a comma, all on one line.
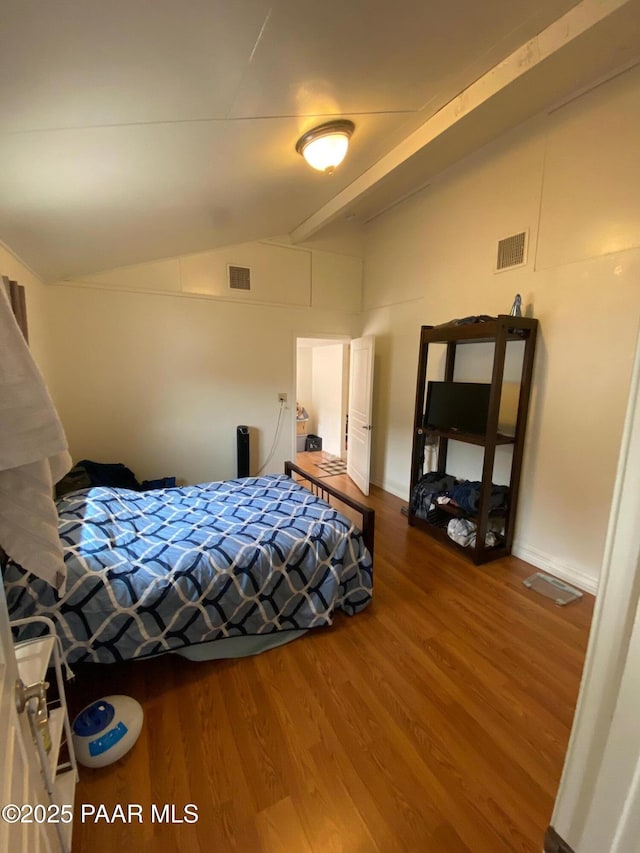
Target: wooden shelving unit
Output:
[(500, 332)]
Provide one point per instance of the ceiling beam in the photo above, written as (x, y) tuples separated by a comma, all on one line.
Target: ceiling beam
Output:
[(556, 39)]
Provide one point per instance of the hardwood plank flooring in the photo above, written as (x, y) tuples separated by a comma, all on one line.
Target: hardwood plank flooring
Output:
[(436, 720)]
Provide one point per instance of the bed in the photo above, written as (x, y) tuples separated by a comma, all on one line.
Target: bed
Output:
[(213, 570)]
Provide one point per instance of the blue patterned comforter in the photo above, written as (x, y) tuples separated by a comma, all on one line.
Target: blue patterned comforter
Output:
[(149, 572)]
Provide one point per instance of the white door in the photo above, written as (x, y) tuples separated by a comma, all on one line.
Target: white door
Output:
[(360, 407), (21, 784)]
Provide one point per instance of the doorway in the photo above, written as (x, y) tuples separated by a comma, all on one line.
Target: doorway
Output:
[(334, 386), (322, 389)]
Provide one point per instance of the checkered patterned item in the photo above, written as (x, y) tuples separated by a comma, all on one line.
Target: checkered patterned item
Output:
[(153, 571), (335, 466)]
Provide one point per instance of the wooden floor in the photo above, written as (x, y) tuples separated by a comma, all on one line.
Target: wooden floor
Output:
[(435, 721)]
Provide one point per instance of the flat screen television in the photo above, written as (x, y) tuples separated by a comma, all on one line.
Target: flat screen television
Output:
[(457, 406)]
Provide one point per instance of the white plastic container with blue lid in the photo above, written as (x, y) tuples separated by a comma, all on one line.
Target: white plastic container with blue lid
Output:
[(106, 730)]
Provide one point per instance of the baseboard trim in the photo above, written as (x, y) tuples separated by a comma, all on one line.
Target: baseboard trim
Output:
[(398, 491), (540, 559), (555, 567), (554, 843)]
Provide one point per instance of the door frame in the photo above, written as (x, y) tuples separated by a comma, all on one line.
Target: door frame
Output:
[(21, 773), (611, 654)]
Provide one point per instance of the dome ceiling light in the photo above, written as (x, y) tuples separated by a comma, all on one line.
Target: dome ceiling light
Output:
[(325, 146)]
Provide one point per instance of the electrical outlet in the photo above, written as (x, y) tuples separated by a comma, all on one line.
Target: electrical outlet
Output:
[(282, 397)]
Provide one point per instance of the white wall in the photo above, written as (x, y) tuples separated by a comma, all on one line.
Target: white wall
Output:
[(328, 368), (146, 372), (571, 178), (284, 275), (304, 380)]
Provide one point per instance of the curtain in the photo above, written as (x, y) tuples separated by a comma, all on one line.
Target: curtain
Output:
[(33, 452), (18, 302)]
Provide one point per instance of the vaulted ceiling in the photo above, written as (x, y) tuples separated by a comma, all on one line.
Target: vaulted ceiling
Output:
[(133, 130)]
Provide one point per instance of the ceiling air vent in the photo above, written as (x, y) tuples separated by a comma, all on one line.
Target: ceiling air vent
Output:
[(512, 251), (239, 277)]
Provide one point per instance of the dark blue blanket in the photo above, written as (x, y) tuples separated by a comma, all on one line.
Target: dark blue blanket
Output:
[(149, 572)]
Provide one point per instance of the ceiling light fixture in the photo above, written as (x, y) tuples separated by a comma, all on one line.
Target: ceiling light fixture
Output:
[(325, 146)]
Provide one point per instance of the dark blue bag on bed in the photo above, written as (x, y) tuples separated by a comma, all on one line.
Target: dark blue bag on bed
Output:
[(86, 473), (162, 483), (110, 474)]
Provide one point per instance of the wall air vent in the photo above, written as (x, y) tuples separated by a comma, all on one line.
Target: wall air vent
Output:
[(512, 251), (239, 277)]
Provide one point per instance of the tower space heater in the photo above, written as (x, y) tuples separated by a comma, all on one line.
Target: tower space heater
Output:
[(242, 436)]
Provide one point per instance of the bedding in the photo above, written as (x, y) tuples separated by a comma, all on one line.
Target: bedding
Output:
[(163, 570)]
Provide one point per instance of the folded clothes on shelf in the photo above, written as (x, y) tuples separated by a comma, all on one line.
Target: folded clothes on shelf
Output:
[(466, 494), (426, 490), (463, 531), (437, 488)]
